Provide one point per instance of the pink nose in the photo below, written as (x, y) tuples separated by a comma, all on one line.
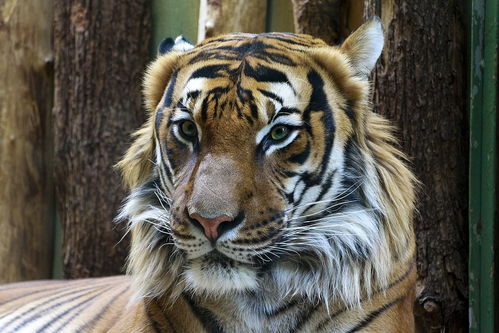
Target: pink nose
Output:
[(210, 225)]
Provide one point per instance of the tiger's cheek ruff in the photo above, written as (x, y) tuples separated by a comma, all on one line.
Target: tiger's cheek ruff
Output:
[(336, 225)]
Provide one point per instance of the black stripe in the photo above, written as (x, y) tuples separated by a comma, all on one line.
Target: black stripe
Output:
[(325, 187), (205, 316), (248, 118), (302, 156), (67, 311), (170, 323), (254, 110), (271, 95), (47, 301), (95, 319), (319, 103), (354, 173), (264, 222), (169, 151), (50, 290), (251, 47), (244, 94), (397, 281), (154, 324), (166, 167), (274, 58), (169, 92), (213, 53), (163, 176), (265, 74), (210, 71), (400, 279), (204, 110), (219, 91), (159, 117), (287, 40), (45, 309), (304, 317), (350, 112), (272, 232), (167, 102), (192, 94), (283, 308), (284, 111), (281, 59), (373, 315)]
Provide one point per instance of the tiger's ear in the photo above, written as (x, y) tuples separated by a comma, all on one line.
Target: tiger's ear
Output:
[(179, 44), (137, 164), (364, 46)]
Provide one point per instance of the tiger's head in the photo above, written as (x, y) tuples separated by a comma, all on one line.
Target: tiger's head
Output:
[(262, 166)]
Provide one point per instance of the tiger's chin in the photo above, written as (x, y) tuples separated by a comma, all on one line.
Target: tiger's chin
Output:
[(216, 274)]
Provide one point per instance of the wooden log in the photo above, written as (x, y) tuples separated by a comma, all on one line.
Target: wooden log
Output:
[(420, 84), (321, 18), (217, 17), (101, 49), (25, 106)]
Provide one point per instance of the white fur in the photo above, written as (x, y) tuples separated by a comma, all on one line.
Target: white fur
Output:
[(182, 45), (214, 280), (370, 47)]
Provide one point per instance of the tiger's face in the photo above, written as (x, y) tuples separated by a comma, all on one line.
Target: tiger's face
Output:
[(259, 173), (248, 146)]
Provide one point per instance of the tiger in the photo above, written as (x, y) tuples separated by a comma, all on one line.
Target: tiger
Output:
[(266, 195)]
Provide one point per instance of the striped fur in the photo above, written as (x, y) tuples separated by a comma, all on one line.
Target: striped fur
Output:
[(321, 236)]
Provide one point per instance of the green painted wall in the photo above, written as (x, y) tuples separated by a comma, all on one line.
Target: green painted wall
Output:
[(171, 18)]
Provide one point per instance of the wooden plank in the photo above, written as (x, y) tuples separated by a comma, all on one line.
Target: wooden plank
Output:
[(25, 108)]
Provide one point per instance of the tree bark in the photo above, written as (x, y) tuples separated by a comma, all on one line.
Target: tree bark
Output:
[(217, 17), (327, 19), (419, 83), (25, 104), (101, 49)]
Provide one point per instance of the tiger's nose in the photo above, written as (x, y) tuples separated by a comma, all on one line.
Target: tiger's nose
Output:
[(212, 226)]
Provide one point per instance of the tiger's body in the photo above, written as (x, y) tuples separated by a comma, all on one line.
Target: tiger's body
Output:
[(102, 305), (266, 196)]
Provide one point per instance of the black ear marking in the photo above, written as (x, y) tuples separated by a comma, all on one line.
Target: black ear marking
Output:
[(179, 44), (165, 46)]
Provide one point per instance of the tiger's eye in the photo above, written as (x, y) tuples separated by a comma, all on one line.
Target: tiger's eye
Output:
[(188, 129), (279, 132)]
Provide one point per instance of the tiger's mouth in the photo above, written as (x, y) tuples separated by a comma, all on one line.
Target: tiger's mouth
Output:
[(250, 240), (216, 258)]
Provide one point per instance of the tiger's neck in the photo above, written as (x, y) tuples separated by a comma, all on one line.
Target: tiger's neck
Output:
[(266, 311)]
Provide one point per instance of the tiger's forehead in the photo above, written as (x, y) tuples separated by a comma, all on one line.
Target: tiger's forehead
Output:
[(255, 75)]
